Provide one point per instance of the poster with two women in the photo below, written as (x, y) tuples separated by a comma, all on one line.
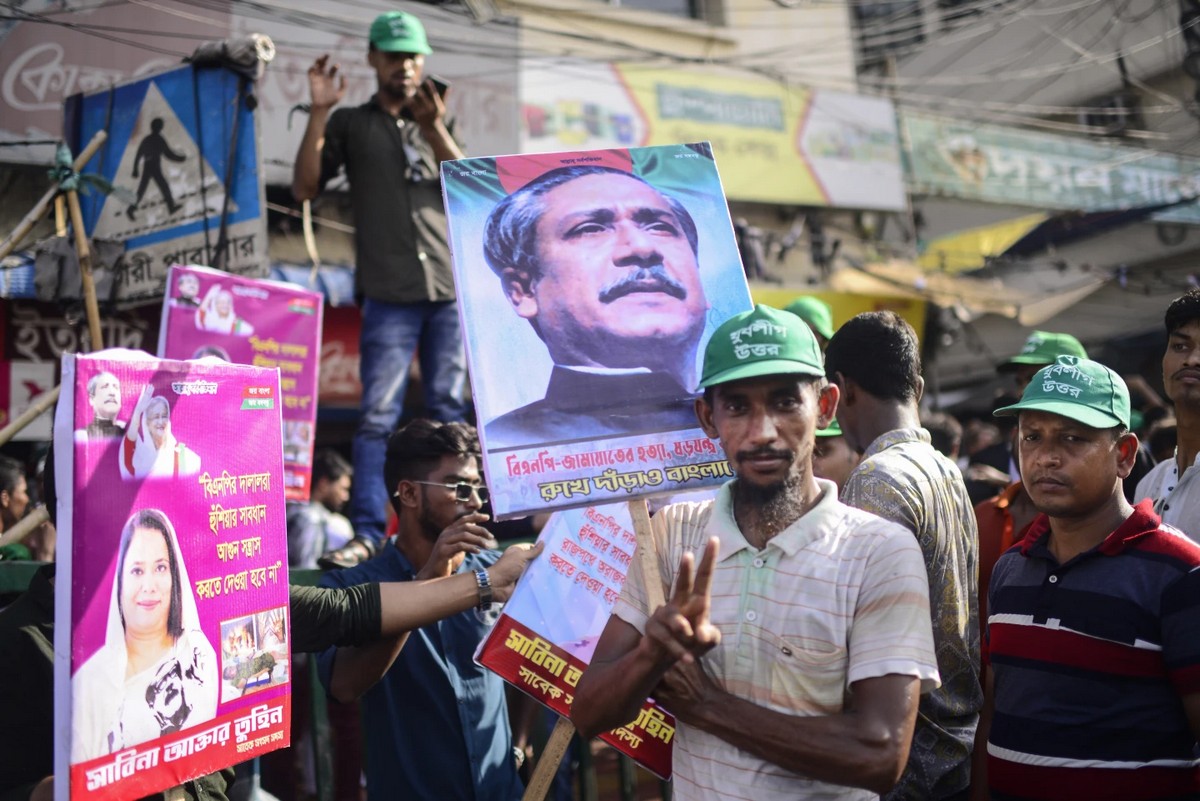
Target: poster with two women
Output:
[(171, 624)]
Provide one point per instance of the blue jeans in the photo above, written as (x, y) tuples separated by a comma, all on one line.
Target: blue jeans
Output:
[(390, 335)]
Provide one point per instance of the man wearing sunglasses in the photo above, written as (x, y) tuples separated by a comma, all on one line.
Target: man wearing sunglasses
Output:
[(436, 724)]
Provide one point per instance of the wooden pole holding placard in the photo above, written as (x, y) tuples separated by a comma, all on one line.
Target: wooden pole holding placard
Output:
[(560, 738), (42, 206)]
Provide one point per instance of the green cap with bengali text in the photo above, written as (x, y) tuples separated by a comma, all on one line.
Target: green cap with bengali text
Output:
[(763, 341), (1079, 389)]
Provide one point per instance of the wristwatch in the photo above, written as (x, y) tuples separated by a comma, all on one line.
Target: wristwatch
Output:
[(484, 585)]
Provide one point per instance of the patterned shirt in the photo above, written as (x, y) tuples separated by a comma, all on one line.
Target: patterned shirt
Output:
[(1091, 658), (837, 597), (902, 478), (1176, 500)]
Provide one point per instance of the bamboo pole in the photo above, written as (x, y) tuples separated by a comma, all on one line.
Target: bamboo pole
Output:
[(85, 271), (43, 402), (42, 206), (560, 738), (25, 526)]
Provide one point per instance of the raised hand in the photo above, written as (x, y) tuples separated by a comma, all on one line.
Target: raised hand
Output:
[(326, 87), (680, 630), (504, 574), (465, 535), (426, 105)]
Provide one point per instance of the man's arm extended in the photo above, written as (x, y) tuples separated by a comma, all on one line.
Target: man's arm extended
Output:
[(866, 745), (627, 666), (408, 605), (325, 91)]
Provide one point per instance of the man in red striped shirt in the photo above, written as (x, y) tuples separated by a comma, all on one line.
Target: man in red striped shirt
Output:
[(1093, 630)]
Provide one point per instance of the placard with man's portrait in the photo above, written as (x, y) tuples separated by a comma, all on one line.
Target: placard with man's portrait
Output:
[(588, 284)]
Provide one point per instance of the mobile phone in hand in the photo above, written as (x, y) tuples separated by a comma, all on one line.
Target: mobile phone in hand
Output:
[(440, 85)]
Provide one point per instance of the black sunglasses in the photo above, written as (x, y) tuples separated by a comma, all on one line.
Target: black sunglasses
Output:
[(462, 490)]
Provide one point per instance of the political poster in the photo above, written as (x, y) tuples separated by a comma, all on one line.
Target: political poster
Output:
[(588, 284), (183, 147), (258, 322), (171, 600), (547, 633)]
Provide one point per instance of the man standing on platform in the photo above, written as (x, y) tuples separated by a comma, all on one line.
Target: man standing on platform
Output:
[(391, 148)]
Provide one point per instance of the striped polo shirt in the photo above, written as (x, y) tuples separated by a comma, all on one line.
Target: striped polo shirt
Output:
[(838, 596), (1090, 661)]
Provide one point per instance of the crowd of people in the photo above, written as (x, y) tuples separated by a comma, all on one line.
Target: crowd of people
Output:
[(885, 601)]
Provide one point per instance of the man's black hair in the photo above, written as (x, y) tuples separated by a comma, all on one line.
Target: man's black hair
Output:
[(11, 472), (414, 451), (879, 352), (945, 432), (1183, 310), (330, 465), (510, 237)]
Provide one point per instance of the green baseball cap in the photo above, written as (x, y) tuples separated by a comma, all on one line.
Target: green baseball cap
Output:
[(1079, 389), (399, 32), (1043, 347), (815, 312), (762, 341), (831, 430)]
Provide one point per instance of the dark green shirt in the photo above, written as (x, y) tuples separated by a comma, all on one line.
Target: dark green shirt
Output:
[(401, 246)]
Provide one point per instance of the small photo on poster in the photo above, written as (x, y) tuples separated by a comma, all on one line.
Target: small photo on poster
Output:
[(254, 653)]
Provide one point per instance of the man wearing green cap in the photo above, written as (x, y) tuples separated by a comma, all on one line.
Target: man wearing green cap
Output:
[(794, 660), (817, 314), (1040, 350), (1093, 631), (391, 148), (874, 359), (833, 458)]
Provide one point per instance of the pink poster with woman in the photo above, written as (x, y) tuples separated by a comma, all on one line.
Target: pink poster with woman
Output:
[(171, 629), (253, 321)]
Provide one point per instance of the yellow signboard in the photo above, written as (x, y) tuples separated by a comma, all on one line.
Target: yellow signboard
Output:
[(773, 143), (845, 305)]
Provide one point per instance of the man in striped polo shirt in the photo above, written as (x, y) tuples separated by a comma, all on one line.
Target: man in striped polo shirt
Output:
[(794, 662), (1093, 631)]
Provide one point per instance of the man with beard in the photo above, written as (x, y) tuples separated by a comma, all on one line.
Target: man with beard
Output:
[(104, 395), (436, 725), (794, 661), (605, 268), (874, 361), (391, 148), (1174, 485)]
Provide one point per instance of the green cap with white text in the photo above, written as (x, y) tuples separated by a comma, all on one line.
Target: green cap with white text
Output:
[(399, 32), (1079, 389), (763, 341)]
